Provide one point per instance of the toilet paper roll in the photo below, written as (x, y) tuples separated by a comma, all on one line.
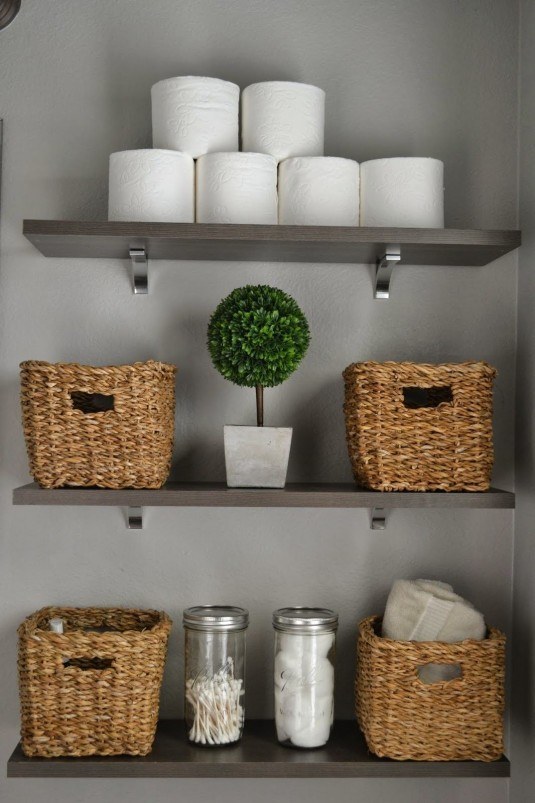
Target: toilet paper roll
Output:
[(319, 191), (195, 115), (283, 119), (236, 188), (406, 191), (151, 185)]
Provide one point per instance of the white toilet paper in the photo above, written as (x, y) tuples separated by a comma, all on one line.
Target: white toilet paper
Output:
[(151, 185), (406, 191), (195, 115), (236, 188), (283, 118), (319, 191)]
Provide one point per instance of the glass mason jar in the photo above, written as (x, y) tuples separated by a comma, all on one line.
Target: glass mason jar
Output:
[(214, 673), (304, 675)]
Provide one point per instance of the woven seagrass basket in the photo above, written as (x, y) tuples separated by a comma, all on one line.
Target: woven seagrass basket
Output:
[(110, 427), (86, 693), (417, 427), (404, 718)]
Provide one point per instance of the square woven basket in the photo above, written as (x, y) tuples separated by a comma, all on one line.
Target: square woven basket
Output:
[(418, 427), (85, 692), (110, 427), (404, 718)]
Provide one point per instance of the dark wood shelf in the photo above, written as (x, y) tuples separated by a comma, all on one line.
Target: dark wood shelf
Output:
[(253, 243), (205, 494), (258, 755)]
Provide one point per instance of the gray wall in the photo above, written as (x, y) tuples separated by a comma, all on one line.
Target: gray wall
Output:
[(523, 776), (422, 77)]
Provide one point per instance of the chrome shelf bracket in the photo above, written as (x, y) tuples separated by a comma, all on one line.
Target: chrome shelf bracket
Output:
[(134, 518), (378, 518), (140, 271), (383, 270)]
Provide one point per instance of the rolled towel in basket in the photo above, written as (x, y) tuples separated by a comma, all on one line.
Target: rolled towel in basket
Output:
[(428, 610)]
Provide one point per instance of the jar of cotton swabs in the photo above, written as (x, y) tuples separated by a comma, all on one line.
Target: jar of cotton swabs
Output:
[(214, 673), (304, 675)]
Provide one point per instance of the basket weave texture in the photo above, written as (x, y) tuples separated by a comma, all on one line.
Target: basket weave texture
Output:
[(418, 427), (86, 693), (403, 718), (71, 443)]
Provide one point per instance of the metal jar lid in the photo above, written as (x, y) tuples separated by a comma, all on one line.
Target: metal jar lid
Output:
[(305, 620), (219, 618)]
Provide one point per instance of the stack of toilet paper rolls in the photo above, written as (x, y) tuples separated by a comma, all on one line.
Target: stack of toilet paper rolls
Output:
[(195, 171)]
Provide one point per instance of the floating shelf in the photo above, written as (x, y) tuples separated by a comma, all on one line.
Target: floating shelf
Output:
[(204, 494), (258, 755), (217, 494), (253, 243)]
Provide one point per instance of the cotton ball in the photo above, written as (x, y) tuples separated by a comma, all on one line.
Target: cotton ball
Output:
[(297, 711), (315, 735), (309, 714), (292, 643), (319, 644), (287, 669), (314, 730), (304, 688), (297, 644), (282, 736), (321, 678)]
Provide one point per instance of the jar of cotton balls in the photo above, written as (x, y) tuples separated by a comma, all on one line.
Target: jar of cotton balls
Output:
[(304, 675), (214, 673)]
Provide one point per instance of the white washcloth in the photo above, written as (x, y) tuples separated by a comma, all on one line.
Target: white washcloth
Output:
[(428, 610)]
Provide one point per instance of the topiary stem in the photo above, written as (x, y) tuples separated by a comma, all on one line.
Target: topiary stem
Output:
[(259, 406)]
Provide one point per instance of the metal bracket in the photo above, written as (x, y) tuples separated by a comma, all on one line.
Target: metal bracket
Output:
[(378, 518), (383, 270), (134, 516), (140, 271)]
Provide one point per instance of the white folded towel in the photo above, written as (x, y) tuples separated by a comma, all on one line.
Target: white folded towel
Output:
[(428, 610)]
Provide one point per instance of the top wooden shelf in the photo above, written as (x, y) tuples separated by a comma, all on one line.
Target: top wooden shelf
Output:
[(253, 243)]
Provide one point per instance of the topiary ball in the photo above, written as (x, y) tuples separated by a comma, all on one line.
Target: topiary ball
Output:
[(257, 336)]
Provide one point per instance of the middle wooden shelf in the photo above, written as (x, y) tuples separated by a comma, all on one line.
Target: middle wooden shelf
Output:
[(217, 494)]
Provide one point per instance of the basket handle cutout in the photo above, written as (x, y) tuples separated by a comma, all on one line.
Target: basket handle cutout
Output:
[(415, 397), (90, 403), (432, 673), (85, 663)]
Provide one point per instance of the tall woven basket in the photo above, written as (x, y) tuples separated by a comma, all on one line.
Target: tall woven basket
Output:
[(110, 427), (85, 692), (418, 427), (404, 718)]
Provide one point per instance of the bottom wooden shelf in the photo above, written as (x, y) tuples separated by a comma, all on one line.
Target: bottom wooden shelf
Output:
[(257, 756)]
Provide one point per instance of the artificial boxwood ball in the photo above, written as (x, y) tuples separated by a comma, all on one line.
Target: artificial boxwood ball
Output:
[(257, 336)]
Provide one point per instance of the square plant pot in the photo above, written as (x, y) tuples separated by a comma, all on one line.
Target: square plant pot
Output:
[(257, 457)]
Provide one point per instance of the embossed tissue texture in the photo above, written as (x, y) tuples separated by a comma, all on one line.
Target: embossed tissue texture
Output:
[(151, 185), (237, 188), (319, 190), (283, 119), (195, 115), (405, 191)]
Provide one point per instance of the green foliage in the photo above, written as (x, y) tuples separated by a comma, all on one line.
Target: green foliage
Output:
[(257, 336)]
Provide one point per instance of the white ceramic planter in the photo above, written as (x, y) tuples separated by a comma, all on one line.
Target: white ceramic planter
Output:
[(257, 457)]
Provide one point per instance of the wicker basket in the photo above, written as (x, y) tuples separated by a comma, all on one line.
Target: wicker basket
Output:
[(86, 693), (110, 427), (413, 427), (404, 718)]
